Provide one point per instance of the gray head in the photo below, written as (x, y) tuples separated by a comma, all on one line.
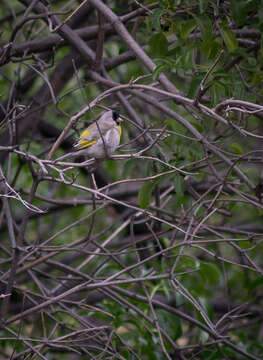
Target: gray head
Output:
[(111, 117)]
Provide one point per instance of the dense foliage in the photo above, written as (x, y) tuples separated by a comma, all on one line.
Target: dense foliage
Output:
[(156, 252)]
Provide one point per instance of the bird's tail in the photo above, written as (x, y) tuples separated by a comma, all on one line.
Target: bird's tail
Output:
[(71, 155)]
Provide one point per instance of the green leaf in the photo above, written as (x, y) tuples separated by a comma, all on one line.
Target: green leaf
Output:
[(257, 282), (179, 299), (238, 11), (179, 200), (112, 168), (158, 70), (154, 18), (145, 194), (188, 263), (211, 273), (229, 38), (187, 27), (158, 45), (129, 166), (179, 185), (203, 336), (236, 148), (194, 85), (197, 125), (210, 47), (169, 322), (203, 4), (216, 92), (205, 25), (244, 244)]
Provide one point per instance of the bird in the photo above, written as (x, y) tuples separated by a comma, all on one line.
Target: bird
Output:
[(100, 139)]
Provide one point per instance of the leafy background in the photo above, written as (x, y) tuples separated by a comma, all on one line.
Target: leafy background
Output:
[(155, 253)]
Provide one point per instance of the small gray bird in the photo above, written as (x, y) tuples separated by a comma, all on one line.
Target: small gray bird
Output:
[(101, 138)]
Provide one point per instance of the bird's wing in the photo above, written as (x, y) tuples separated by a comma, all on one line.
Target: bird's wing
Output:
[(89, 136)]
